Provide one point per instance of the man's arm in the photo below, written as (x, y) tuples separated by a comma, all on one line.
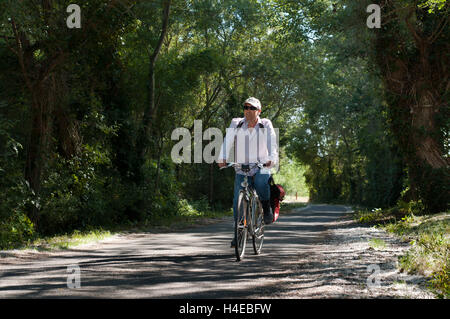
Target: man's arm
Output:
[(221, 163), (272, 145)]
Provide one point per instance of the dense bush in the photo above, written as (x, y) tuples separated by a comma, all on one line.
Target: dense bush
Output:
[(74, 194), (15, 226), (15, 195)]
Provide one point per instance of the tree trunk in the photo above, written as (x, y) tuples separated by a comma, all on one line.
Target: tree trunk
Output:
[(150, 112), (158, 165), (211, 184), (416, 79), (426, 130), (37, 144), (40, 82), (66, 128)]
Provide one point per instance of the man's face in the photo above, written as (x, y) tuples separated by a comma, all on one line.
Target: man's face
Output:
[(251, 113)]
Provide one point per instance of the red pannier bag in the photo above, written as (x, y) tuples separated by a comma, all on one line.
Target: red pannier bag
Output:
[(277, 194)]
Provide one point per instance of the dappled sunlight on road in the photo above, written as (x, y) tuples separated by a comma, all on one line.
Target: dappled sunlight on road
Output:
[(191, 263)]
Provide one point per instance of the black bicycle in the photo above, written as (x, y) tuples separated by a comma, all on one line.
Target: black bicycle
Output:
[(250, 215)]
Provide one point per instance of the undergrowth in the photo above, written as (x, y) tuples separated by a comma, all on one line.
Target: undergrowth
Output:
[(427, 234)]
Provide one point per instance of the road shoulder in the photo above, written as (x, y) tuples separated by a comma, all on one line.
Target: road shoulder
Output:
[(354, 261)]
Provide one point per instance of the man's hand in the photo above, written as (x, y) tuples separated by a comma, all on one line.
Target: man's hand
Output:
[(221, 163)]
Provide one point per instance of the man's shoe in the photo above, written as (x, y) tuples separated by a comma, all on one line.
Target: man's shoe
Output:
[(233, 243), (268, 215)]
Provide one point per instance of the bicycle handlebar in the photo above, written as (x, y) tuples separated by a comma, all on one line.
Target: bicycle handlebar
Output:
[(242, 166)]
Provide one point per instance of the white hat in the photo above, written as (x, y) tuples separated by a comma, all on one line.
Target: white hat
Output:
[(253, 101)]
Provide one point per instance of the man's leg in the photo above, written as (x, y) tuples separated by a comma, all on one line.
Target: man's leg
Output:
[(263, 189), (262, 186)]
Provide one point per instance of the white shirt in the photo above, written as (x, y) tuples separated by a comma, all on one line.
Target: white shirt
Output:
[(252, 145)]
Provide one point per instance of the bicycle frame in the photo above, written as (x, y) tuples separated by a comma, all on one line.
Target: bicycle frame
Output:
[(252, 198)]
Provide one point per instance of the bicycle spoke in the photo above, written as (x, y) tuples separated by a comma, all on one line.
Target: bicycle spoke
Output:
[(241, 227), (258, 228)]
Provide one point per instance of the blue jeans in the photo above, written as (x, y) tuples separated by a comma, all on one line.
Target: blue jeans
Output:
[(259, 181)]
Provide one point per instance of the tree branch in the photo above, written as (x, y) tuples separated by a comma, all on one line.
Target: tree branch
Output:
[(413, 31), (51, 65), (439, 29), (20, 54), (166, 13), (6, 38)]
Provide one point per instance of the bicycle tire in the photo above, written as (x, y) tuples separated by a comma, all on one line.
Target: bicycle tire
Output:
[(240, 227), (257, 226)]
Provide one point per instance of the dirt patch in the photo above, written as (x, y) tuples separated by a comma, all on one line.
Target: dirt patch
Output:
[(353, 262)]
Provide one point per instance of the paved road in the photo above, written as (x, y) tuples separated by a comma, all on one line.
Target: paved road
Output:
[(193, 263)]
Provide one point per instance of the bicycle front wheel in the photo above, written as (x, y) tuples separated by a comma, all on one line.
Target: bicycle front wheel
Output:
[(240, 226), (258, 226)]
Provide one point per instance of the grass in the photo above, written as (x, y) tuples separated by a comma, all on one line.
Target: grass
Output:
[(377, 244), (186, 218), (183, 220), (189, 216), (286, 206), (429, 238), (68, 241), (374, 216), (430, 248)]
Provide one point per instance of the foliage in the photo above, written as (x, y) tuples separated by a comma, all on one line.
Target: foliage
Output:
[(73, 104), (369, 216), (416, 122), (74, 195), (16, 195), (396, 218), (440, 284), (15, 229), (377, 244), (347, 148), (433, 5), (428, 237), (70, 240), (291, 177), (429, 255)]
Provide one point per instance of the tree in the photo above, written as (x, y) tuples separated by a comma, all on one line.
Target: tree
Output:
[(411, 52), (151, 109), (408, 54), (48, 55)]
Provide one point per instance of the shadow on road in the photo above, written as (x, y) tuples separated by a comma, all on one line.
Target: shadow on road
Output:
[(195, 263)]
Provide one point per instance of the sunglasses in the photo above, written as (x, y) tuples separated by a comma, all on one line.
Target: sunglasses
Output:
[(249, 107)]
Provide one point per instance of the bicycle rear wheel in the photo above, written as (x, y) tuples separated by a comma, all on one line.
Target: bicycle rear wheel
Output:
[(258, 226), (240, 227)]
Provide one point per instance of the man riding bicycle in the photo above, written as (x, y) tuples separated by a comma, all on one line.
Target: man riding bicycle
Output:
[(254, 141)]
